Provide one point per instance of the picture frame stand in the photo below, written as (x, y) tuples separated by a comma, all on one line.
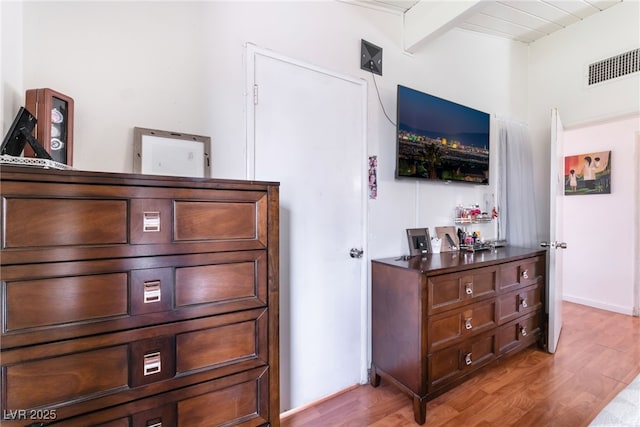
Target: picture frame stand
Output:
[(419, 241)]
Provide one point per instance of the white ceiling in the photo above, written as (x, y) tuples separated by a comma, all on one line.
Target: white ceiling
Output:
[(520, 20)]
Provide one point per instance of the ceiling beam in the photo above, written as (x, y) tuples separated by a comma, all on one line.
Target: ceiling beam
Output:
[(429, 19)]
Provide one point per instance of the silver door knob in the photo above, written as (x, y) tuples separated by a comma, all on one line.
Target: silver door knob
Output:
[(554, 245), (356, 253)]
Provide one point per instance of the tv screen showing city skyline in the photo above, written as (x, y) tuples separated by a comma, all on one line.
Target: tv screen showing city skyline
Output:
[(439, 139)]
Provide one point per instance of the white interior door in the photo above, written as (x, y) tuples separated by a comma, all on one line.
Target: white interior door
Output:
[(309, 134), (556, 244)]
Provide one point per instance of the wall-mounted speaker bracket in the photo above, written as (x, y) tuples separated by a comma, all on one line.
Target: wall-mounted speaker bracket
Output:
[(370, 57)]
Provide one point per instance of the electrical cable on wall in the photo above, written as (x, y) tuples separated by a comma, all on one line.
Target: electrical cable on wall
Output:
[(380, 100)]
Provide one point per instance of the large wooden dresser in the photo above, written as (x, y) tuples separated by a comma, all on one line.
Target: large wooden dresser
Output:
[(437, 319), (133, 300)]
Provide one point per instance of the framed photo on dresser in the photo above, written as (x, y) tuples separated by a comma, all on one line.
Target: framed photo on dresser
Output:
[(419, 241)]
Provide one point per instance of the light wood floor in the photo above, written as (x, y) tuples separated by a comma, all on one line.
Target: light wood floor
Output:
[(598, 355)]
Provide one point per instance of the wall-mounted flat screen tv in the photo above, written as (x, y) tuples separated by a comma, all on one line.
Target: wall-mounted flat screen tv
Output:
[(440, 140)]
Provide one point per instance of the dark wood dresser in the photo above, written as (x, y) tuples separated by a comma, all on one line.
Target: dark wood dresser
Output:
[(136, 300), (437, 319)]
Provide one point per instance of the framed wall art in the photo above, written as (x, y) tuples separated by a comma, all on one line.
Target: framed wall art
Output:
[(54, 127), (588, 173)]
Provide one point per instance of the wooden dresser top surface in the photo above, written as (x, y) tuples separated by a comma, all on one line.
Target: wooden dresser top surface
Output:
[(22, 173), (445, 262)]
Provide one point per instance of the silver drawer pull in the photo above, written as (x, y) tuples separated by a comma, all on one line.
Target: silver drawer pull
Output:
[(151, 364), (523, 331), (525, 274), (467, 323), (150, 222), (152, 291), (523, 302), (467, 359), (158, 424), (468, 288)]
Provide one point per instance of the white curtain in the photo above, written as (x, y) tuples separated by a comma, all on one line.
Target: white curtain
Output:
[(517, 220)]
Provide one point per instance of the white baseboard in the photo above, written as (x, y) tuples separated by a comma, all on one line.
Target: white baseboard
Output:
[(294, 411), (597, 304)]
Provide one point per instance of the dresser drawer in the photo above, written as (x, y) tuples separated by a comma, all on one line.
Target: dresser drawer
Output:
[(41, 303), (519, 333), (238, 400), (221, 345), (170, 220), (104, 296), (514, 275), (459, 360), (519, 302), (58, 222), (50, 222), (48, 382), (447, 328), (74, 375), (453, 290)]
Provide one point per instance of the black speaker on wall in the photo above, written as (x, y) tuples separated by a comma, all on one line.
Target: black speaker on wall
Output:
[(370, 57)]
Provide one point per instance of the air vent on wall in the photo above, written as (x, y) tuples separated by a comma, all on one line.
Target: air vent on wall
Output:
[(614, 67)]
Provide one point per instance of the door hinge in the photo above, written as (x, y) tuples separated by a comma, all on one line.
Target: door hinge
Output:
[(255, 94)]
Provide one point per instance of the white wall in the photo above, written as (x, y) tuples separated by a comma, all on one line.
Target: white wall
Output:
[(558, 66), (557, 79), (483, 72), (124, 64), (11, 88), (600, 229)]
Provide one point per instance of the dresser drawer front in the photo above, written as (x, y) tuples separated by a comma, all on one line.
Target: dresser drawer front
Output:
[(453, 326), (447, 365), (64, 300), (52, 381), (519, 303), (453, 290), (222, 345), (156, 221), (207, 220), (242, 403), (522, 273), (78, 373), (63, 222), (519, 333), (111, 295), (220, 283), (238, 400)]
